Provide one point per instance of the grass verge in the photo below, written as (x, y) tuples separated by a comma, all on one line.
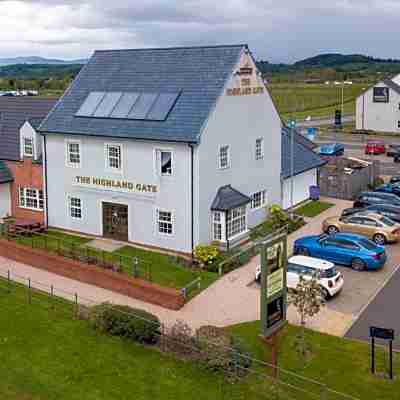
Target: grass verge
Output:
[(313, 208)]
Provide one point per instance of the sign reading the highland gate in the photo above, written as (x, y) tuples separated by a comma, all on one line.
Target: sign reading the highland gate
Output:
[(112, 184), (273, 284)]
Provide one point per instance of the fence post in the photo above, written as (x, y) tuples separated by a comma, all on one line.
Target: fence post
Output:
[(9, 281), (135, 267), (29, 291), (220, 269), (76, 311)]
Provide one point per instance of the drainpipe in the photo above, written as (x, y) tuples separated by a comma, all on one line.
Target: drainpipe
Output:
[(226, 231), (192, 196), (46, 208)]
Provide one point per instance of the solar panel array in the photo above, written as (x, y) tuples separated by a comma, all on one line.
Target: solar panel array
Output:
[(119, 105)]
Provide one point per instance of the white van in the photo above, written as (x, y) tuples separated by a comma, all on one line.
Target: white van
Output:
[(330, 279)]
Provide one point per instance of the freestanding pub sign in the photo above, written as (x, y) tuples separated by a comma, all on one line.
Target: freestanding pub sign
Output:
[(273, 284)]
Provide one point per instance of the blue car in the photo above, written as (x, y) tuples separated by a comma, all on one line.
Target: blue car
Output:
[(389, 188), (355, 251), (331, 149)]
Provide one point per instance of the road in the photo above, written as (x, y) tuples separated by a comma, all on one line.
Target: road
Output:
[(324, 121), (383, 312)]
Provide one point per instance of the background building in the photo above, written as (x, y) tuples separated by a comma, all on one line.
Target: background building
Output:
[(378, 108)]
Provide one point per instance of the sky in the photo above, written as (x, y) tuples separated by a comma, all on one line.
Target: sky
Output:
[(277, 31)]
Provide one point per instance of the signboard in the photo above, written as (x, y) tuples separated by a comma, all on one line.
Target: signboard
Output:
[(381, 333), (273, 284), (114, 184), (381, 95)]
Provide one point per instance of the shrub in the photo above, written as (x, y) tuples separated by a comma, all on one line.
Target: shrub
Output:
[(206, 254), (180, 340), (127, 322), (278, 216), (221, 352)]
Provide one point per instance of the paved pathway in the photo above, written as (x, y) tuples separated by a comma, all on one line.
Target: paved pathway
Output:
[(233, 299)]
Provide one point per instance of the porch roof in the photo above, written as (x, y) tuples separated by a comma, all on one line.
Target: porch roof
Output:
[(228, 198)]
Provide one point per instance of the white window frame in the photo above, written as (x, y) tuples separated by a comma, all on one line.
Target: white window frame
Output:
[(106, 150), (23, 198), (71, 207), (158, 221), (68, 153), (218, 220), (230, 220), (24, 153), (259, 150), (263, 200), (228, 157), (158, 166)]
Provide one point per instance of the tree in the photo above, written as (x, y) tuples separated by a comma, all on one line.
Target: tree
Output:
[(308, 299)]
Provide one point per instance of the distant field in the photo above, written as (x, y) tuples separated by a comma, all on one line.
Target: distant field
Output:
[(315, 100)]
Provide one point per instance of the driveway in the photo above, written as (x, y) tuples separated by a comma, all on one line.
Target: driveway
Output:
[(235, 298)]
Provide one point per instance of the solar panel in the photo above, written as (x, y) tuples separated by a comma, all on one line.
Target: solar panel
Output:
[(124, 105), (107, 104), (162, 106), (90, 104), (142, 106)]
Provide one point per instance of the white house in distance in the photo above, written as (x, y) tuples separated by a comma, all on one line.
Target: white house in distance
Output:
[(167, 148), (378, 108)]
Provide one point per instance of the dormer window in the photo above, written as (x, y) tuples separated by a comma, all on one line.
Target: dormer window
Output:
[(27, 146)]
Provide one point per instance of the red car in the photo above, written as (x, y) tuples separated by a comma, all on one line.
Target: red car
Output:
[(375, 147)]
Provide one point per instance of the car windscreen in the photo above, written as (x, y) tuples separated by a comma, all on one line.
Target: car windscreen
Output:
[(328, 273), (387, 221), (367, 244)]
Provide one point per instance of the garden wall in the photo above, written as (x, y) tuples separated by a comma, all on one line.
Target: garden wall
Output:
[(136, 288)]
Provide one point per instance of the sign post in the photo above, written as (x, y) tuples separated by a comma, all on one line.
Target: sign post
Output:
[(273, 291), (385, 334)]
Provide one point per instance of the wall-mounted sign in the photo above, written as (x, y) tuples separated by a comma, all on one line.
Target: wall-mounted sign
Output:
[(246, 91), (273, 284), (113, 184)]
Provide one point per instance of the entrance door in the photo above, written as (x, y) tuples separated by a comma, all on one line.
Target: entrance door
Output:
[(115, 221)]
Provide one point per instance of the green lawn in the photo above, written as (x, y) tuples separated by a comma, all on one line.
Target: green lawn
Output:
[(47, 355), (313, 208), (159, 268), (164, 269), (343, 365)]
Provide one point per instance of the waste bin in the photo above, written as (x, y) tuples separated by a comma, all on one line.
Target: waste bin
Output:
[(314, 193)]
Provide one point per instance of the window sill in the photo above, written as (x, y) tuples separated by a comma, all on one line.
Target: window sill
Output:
[(32, 209)]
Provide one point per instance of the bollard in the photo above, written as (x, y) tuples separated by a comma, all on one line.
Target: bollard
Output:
[(76, 311), (29, 291), (9, 281)]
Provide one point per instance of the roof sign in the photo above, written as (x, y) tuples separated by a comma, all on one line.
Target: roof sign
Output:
[(143, 106)]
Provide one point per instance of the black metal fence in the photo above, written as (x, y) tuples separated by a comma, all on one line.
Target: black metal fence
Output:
[(263, 381)]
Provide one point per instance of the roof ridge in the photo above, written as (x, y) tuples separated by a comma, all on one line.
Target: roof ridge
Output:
[(172, 48)]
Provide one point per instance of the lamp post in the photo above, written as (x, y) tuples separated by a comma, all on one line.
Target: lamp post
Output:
[(292, 126)]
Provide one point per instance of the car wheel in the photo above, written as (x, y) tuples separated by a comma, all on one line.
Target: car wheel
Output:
[(325, 293), (302, 251), (357, 264), (379, 239), (332, 230)]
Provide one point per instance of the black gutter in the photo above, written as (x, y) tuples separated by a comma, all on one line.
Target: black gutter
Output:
[(45, 179), (226, 231)]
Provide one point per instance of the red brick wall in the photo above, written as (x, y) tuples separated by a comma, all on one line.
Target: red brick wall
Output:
[(26, 174), (114, 281)]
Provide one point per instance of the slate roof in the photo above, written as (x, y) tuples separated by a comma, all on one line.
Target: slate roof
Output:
[(14, 112), (5, 173), (228, 198), (305, 158), (200, 73)]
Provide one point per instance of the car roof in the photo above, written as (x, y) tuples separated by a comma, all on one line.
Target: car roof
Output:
[(311, 262), (348, 236), (384, 206), (381, 194), (370, 214)]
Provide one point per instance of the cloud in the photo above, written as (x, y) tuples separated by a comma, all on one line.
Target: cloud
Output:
[(284, 30)]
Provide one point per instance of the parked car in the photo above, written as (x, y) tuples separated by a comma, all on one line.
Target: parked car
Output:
[(329, 278), (375, 147), (395, 179), (396, 158), (366, 199), (389, 188), (391, 212), (392, 150), (349, 249), (377, 227), (331, 149)]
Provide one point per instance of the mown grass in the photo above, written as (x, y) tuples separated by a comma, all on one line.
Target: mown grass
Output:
[(313, 208), (159, 268), (46, 354)]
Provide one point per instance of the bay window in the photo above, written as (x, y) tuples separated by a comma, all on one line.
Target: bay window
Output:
[(236, 221)]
